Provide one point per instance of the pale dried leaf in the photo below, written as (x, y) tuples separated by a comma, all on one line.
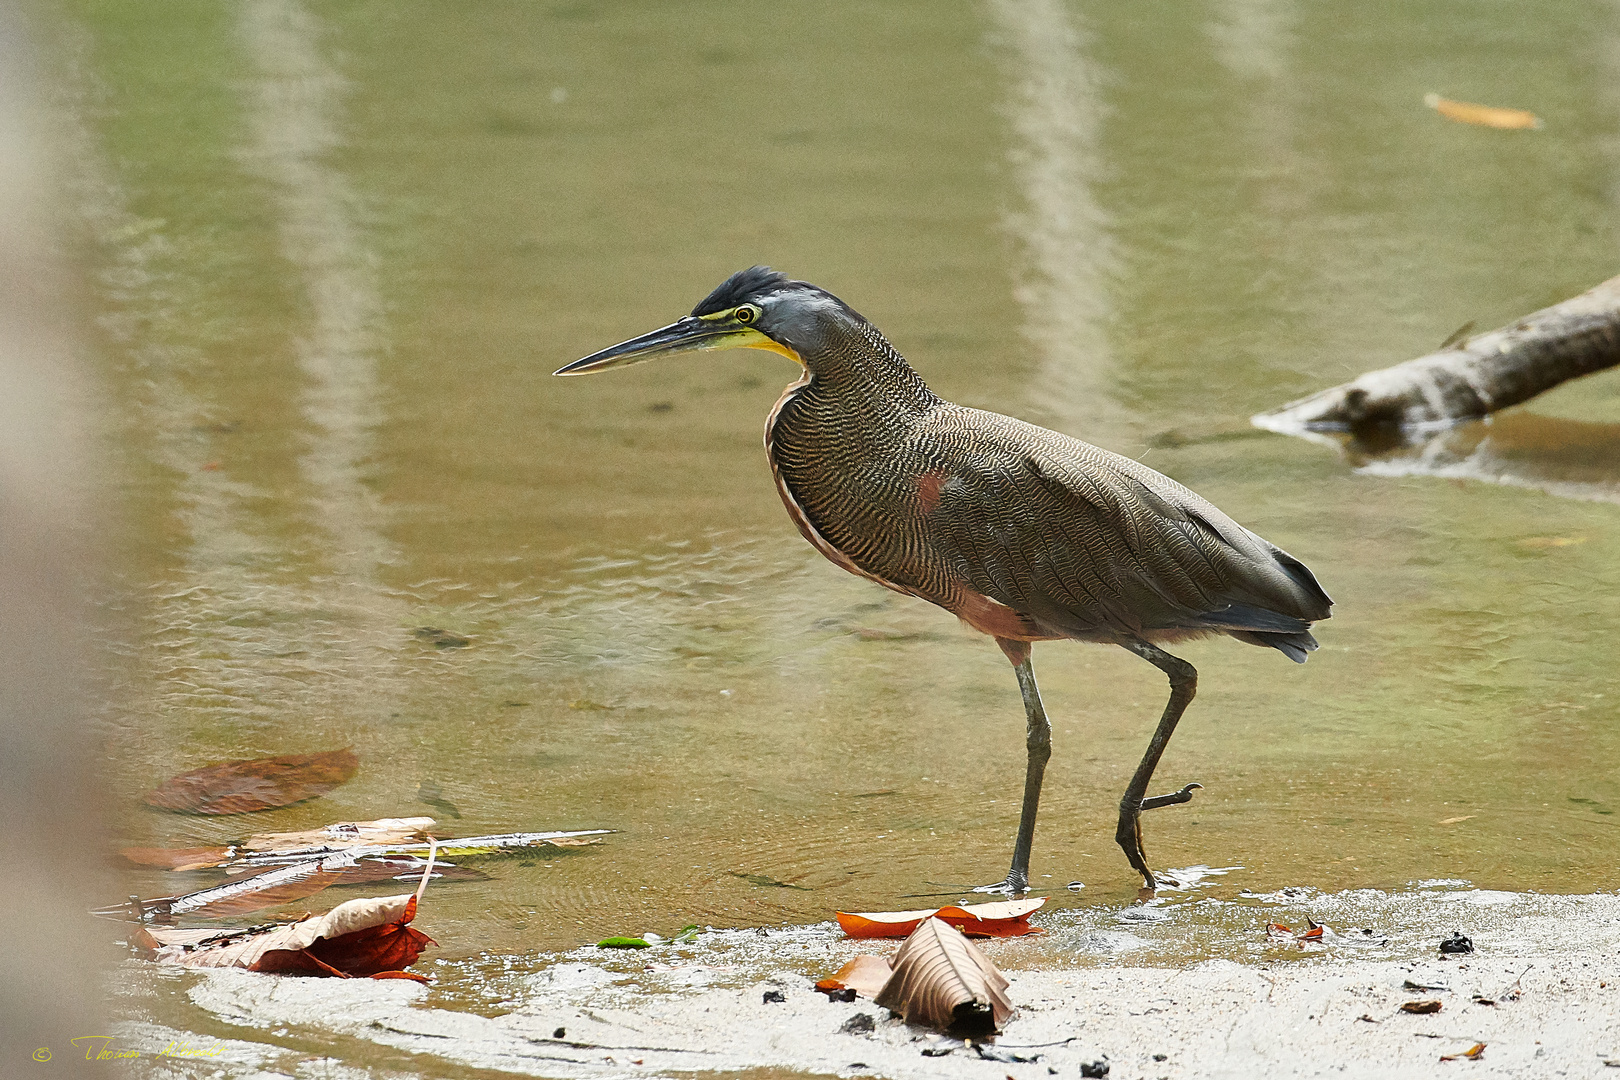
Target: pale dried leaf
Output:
[(942, 981), (342, 834)]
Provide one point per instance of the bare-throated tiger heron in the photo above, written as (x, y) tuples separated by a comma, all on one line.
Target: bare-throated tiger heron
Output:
[(1022, 533)]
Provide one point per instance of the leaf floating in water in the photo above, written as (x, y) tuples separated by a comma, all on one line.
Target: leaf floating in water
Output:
[(241, 787), (624, 943), (865, 975), (1008, 918), (941, 980), (1455, 820), (1465, 112)]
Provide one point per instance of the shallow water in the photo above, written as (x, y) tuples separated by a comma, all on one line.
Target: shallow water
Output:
[(337, 250)]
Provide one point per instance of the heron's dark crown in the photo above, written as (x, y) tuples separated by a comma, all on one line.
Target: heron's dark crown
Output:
[(760, 281)]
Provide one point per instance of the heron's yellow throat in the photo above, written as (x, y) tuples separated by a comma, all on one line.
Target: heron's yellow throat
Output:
[(746, 337)]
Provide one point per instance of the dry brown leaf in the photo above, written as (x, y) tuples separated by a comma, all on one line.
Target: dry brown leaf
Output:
[(941, 980), (1007, 918), (1465, 112), (240, 787), (865, 975), (1430, 1006)]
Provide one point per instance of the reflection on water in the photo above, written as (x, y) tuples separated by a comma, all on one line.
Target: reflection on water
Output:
[(339, 249), (1572, 459)]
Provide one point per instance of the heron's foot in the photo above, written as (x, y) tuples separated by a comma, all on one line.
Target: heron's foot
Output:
[(1153, 802), (1016, 883), (1129, 838)]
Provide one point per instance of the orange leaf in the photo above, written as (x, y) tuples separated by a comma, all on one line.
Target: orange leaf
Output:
[(1008, 918), (413, 976), (1465, 112), (239, 787), (865, 975), (1473, 1053)]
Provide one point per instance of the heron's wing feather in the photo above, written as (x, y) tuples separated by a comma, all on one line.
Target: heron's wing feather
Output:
[(1089, 542)]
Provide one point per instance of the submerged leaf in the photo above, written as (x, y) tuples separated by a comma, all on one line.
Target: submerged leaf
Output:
[(1008, 918), (240, 787), (179, 858), (1465, 112), (941, 980)]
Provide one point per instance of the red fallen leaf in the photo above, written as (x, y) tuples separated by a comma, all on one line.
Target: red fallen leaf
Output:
[(1277, 929), (413, 976), (1008, 918), (240, 787), (864, 974)]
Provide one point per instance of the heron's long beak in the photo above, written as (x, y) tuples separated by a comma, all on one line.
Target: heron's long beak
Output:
[(690, 334)]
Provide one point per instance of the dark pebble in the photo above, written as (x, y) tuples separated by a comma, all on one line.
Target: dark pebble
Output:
[(1456, 944), (774, 997), (1094, 1068), (859, 1024)]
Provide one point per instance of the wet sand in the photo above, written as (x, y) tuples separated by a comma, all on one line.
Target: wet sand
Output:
[(1551, 965)]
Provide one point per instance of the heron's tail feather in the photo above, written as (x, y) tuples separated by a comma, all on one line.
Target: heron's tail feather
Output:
[(1293, 646)]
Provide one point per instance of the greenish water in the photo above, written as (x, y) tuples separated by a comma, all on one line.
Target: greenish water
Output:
[(336, 251)]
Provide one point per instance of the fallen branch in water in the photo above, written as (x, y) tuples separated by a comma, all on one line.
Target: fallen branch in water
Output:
[(1472, 377)]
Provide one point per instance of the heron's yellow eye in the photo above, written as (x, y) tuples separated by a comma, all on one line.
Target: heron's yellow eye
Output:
[(746, 314)]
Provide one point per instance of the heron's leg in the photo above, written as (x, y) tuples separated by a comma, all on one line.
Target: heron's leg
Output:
[(1038, 741), (1183, 685)]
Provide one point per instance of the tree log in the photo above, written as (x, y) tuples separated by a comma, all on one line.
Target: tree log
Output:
[(1472, 377)]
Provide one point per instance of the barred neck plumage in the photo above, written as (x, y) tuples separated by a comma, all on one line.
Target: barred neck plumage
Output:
[(851, 361)]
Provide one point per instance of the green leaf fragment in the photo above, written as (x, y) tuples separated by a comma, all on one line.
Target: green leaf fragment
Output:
[(623, 943)]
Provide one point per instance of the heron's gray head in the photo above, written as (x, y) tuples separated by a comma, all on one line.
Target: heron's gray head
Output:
[(757, 308)]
